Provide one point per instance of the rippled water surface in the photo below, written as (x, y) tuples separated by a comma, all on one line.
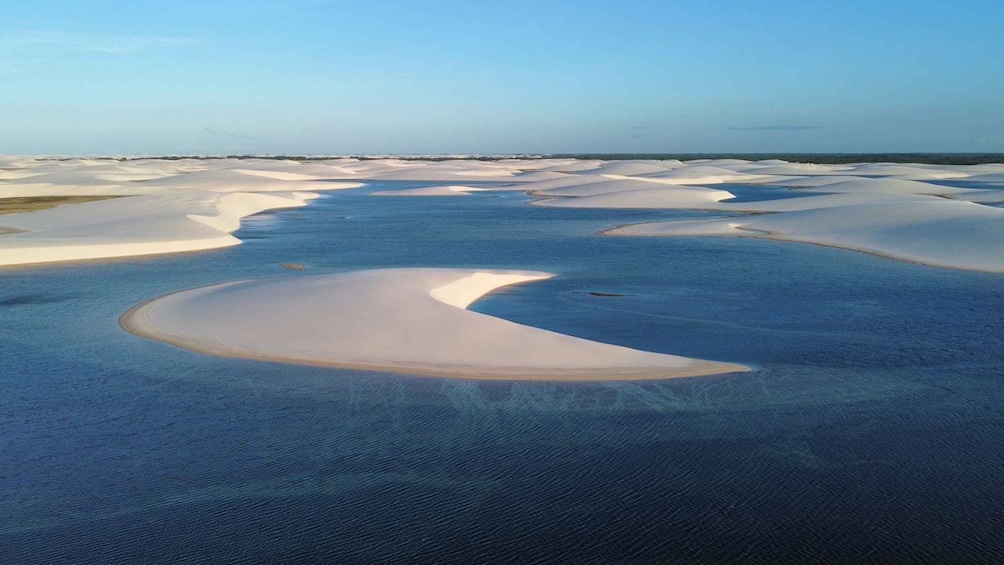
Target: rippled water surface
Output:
[(871, 431)]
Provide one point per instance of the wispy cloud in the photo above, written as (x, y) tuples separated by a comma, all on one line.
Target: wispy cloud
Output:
[(775, 127), (213, 132), (93, 43)]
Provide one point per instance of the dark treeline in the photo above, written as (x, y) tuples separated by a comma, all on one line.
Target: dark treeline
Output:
[(819, 158)]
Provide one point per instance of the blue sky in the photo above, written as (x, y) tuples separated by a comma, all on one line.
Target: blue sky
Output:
[(305, 76)]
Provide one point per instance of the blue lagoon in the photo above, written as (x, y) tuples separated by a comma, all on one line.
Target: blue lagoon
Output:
[(869, 431)]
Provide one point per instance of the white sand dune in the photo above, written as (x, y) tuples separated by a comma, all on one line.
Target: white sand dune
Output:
[(243, 180), (700, 174), (443, 174), (136, 225), (21, 190), (928, 230), (278, 175), (455, 190), (991, 178), (688, 197), (78, 177), (555, 165), (401, 320), (878, 208), (628, 168), (441, 171), (908, 172), (187, 188), (787, 169), (17, 174), (563, 181), (187, 204), (174, 205), (730, 163), (816, 202), (595, 186), (981, 196), (575, 166), (885, 185), (709, 199), (801, 181), (400, 170), (125, 177)]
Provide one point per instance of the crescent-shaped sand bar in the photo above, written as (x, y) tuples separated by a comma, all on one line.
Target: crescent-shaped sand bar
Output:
[(399, 320)]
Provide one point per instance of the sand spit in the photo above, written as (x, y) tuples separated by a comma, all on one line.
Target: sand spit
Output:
[(930, 231), (136, 225), (398, 320), (456, 190), (172, 206), (655, 197)]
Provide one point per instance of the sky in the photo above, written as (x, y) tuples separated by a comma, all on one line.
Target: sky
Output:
[(448, 76)]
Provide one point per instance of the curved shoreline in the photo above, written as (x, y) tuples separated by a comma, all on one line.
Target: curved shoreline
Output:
[(502, 350), (767, 236), (189, 206), (625, 230)]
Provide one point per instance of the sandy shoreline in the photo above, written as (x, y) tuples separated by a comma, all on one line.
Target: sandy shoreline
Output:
[(755, 234), (192, 204), (925, 231), (128, 323)]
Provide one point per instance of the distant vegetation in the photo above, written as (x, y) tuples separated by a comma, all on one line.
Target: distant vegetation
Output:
[(21, 204), (820, 158)]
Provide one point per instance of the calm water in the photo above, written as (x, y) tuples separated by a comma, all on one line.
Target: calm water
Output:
[(872, 430)]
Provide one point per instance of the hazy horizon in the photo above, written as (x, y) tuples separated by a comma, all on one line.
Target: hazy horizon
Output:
[(330, 77)]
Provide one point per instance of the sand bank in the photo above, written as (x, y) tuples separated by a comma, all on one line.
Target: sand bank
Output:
[(137, 225), (173, 206), (927, 230), (680, 197), (397, 320), (454, 190)]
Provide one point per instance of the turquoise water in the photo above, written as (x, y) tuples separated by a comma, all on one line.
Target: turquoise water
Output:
[(871, 431)]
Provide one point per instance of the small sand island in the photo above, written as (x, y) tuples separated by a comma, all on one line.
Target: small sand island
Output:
[(401, 320)]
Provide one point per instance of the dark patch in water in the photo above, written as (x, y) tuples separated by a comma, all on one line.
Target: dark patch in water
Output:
[(32, 299), (496, 392)]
